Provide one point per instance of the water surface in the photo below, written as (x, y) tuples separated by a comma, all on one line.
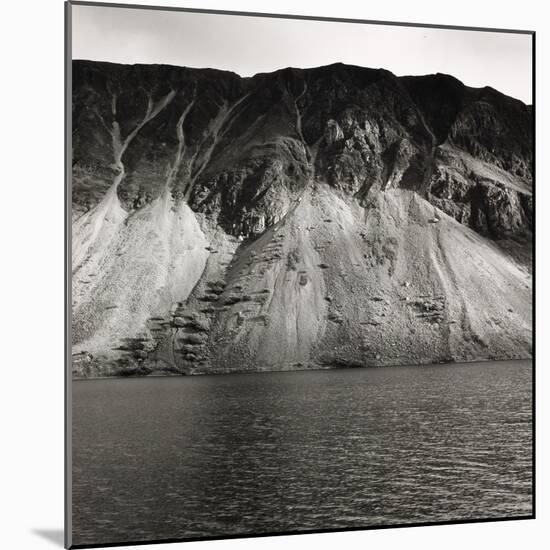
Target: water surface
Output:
[(158, 458)]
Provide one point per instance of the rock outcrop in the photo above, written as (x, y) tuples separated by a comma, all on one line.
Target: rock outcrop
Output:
[(337, 216)]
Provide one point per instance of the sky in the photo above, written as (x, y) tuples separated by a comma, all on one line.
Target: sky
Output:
[(248, 45)]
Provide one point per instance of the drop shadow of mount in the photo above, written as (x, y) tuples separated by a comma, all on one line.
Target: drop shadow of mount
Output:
[(56, 536)]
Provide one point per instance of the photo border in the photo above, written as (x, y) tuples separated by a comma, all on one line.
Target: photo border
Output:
[(68, 272)]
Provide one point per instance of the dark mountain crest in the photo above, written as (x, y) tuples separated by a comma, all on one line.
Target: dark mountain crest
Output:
[(361, 130)]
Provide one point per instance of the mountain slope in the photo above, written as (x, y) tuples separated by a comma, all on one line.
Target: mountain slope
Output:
[(337, 216)]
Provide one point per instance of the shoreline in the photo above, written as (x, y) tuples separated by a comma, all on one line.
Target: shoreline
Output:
[(315, 369)]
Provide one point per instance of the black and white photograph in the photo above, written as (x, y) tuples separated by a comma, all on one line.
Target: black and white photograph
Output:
[(301, 274)]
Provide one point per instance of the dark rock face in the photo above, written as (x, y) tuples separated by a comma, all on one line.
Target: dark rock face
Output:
[(481, 195), (250, 145), (206, 167), (483, 164)]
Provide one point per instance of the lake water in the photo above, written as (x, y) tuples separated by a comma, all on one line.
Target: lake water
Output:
[(159, 458)]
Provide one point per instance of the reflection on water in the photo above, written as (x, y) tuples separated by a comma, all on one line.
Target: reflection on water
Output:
[(235, 454)]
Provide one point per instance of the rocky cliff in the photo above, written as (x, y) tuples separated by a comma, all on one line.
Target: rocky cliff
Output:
[(336, 216)]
